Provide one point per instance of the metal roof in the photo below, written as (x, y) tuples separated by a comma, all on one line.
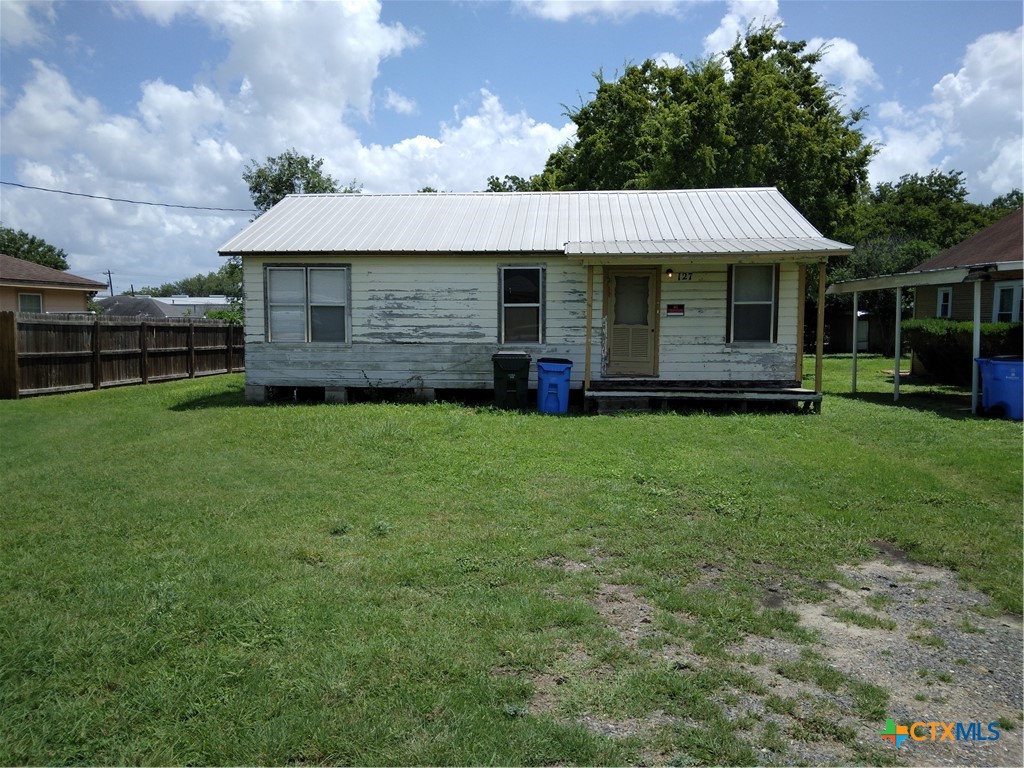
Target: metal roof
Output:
[(697, 222)]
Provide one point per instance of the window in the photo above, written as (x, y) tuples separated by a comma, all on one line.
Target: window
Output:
[(1006, 303), (307, 303), (521, 290), (944, 303), (752, 305), (30, 302)]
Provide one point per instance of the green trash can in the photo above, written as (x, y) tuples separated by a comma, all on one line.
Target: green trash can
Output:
[(511, 379)]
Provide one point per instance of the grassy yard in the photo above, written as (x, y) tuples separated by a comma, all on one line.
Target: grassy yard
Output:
[(189, 579)]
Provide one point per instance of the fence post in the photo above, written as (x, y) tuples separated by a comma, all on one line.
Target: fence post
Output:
[(10, 387), (229, 344), (97, 360), (191, 349), (144, 351)]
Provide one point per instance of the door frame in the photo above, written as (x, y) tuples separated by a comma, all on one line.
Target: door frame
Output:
[(654, 311)]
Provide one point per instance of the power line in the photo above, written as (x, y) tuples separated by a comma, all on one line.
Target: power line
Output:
[(133, 202)]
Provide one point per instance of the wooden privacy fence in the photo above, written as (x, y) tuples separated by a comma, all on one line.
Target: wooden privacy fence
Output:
[(44, 354)]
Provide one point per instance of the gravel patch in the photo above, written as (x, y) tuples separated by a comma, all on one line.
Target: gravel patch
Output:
[(936, 647)]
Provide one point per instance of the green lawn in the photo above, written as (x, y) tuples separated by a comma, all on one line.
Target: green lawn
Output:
[(189, 579)]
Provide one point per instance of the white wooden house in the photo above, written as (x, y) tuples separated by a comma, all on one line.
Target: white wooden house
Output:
[(692, 292)]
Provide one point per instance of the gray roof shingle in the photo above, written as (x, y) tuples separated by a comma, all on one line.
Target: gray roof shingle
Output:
[(21, 272)]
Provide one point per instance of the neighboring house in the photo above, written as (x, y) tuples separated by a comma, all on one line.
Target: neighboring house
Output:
[(999, 248), (162, 306), (29, 287), (125, 305), (640, 289), (978, 280)]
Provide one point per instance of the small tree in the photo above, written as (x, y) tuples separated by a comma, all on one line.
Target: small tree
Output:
[(22, 245)]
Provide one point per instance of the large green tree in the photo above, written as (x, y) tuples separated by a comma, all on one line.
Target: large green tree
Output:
[(758, 116), (287, 174), (22, 245)]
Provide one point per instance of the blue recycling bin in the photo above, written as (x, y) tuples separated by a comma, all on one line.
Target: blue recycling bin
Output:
[(553, 374), (1002, 385)]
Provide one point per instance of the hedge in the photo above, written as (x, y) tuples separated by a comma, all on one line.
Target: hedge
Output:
[(944, 346)]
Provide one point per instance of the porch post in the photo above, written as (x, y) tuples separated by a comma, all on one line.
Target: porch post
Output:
[(976, 347), (802, 292), (855, 342), (819, 349), (899, 343), (590, 325)]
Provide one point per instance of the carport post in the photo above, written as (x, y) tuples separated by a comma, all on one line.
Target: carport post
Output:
[(819, 345), (855, 342), (976, 347), (899, 343)]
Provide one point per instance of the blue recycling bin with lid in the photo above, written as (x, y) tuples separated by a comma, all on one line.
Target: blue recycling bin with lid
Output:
[(1002, 385), (553, 374)]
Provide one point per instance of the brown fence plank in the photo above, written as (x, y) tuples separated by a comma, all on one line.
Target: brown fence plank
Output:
[(8, 356), (44, 354)]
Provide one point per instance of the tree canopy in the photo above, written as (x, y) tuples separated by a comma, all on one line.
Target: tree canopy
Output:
[(226, 281), (287, 174), (22, 245), (759, 116)]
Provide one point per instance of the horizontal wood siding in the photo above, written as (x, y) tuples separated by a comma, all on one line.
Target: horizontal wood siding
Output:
[(426, 321)]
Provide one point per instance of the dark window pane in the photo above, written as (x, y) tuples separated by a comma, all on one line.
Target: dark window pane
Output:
[(521, 286), (631, 297), (327, 323), (754, 283), (752, 322), (30, 302), (522, 324)]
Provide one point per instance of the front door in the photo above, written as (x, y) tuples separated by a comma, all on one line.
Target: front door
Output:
[(632, 315)]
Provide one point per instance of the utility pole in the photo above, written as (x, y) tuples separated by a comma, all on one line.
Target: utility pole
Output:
[(110, 281)]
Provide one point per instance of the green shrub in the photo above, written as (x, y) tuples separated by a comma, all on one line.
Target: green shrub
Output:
[(944, 346)]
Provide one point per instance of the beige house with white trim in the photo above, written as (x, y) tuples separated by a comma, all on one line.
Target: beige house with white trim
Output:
[(29, 287)]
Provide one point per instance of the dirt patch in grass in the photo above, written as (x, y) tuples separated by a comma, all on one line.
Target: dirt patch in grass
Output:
[(896, 639)]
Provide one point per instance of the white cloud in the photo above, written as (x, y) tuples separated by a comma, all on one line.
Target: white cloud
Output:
[(25, 23), (740, 14), (564, 10), (293, 75), (973, 123), (512, 143), (668, 59), (843, 66), (398, 103)]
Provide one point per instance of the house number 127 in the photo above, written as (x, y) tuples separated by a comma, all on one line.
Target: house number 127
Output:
[(685, 276)]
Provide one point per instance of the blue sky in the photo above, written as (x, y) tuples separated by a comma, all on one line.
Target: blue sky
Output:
[(167, 101)]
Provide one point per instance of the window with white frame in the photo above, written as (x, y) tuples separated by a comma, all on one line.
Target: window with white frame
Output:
[(1006, 302), (30, 302), (308, 303), (522, 302), (752, 305), (944, 302)]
